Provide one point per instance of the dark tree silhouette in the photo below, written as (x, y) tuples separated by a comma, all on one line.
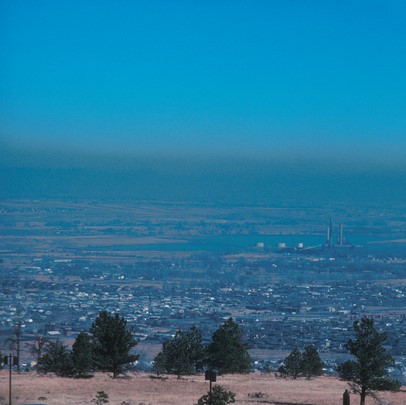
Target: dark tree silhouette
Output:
[(159, 365), (292, 365), (183, 355), (82, 355), (112, 343), (228, 352), (56, 359), (368, 372), (312, 365), (302, 364)]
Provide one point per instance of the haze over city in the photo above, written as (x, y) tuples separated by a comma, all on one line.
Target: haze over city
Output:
[(210, 96)]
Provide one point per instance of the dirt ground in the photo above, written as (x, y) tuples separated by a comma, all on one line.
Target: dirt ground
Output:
[(144, 389)]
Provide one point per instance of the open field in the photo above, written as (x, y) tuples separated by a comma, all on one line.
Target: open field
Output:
[(140, 388)]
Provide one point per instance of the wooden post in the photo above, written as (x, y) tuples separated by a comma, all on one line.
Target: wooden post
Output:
[(346, 398)]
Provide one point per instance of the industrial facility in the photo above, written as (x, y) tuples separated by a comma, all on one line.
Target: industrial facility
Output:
[(339, 248)]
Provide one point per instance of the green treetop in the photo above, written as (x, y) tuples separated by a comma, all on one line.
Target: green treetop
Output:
[(368, 372), (112, 343), (228, 352)]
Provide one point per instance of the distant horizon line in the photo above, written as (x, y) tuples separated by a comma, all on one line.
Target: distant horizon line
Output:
[(54, 158)]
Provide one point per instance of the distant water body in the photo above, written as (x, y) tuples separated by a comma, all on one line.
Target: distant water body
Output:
[(236, 243)]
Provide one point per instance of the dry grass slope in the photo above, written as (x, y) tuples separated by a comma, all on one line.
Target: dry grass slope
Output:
[(140, 388)]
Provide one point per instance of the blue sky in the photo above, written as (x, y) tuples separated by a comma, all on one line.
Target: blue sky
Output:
[(277, 80)]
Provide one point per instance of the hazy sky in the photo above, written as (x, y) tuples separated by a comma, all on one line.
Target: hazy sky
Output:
[(210, 100), (275, 79)]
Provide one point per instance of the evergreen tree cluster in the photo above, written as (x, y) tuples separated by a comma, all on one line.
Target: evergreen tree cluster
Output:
[(185, 354), (108, 344), (105, 348), (306, 363)]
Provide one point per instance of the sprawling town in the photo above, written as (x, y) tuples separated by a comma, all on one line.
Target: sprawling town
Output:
[(168, 267)]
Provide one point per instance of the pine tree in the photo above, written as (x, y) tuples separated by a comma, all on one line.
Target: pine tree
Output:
[(82, 355), (368, 372), (312, 365), (196, 349), (112, 343), (302, 364), (292, 365), (56, 359), (159, 365), (227, 352), (183, 355)]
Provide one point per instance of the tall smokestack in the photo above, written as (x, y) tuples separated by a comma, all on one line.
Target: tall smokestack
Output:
[(330, 234)]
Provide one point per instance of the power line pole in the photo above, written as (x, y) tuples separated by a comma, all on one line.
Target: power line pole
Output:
[(9, 379), (11, 361), (18, 336)]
